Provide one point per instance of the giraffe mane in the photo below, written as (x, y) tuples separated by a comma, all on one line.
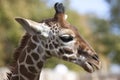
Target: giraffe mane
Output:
[(22, 44), (17, 53)]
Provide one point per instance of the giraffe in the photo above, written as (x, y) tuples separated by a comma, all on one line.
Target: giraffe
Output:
[(53, 37)]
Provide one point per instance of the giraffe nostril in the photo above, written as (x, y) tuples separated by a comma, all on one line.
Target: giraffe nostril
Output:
[(95, 57)]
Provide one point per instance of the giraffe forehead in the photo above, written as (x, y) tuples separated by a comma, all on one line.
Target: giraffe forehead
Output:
[(43, 27)]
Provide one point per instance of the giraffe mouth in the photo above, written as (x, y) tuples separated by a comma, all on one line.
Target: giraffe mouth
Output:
[(91, 66)]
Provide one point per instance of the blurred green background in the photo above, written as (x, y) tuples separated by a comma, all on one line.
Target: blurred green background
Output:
[(102, 34)]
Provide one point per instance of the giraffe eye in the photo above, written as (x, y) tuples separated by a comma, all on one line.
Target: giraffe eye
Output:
[(66, 38)]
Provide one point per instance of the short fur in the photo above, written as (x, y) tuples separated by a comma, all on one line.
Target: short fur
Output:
[(23, 42), (17, 52)]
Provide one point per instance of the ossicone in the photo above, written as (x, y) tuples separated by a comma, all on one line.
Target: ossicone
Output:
[(59, 8)]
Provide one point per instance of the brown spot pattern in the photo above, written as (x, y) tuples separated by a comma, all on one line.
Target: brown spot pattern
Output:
[(65, 58), (46, 46), (32, 69), (40, 49), (29, 60), (35, 56), (61, 51), (35, 39), (29, 49), (21, 78), (68, 51), (55, 45), (22, 57), (15, 78), (22, 45), (48, 52), (51, 46), (40, 64), (32, 45), (71, 59), (24, 72)]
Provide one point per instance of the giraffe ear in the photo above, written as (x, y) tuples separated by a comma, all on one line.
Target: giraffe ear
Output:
[(33, 27)]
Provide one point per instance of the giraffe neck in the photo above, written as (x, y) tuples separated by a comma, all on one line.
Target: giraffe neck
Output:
[(31, 61)]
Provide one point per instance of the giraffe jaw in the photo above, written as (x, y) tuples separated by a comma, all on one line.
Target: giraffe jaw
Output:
[(89, 65)]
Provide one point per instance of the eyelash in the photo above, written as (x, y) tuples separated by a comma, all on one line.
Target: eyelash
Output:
[(66, 38)]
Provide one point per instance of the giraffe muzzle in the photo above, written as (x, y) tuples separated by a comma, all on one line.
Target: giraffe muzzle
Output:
[(91, 64)]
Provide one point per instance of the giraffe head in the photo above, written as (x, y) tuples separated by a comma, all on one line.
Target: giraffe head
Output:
[(60, 39)]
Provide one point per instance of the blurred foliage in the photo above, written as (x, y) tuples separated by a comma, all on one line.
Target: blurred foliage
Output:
[(98, 32), (114, 13), (115, 26), (107, 42), (106, 32)]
